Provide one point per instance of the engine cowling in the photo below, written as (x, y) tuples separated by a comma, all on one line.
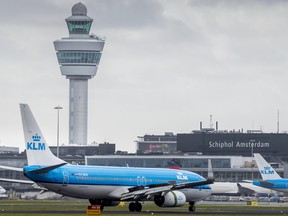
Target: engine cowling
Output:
[(171, 199)]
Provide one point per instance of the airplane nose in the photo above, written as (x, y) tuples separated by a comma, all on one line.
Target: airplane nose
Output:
[(2, 190)]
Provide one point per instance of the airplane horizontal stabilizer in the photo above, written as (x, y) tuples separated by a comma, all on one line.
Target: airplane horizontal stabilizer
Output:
[(47, 169), (17, 181), (11, 168)]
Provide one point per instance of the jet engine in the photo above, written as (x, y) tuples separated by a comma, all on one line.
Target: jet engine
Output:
[(171, 199)]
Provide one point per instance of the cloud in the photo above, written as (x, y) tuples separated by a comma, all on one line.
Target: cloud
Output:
[(126, 14), (166, 65)]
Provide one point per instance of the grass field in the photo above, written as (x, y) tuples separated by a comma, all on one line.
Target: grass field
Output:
[(75, 208)]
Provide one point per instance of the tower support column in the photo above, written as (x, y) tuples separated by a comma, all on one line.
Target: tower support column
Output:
[(78, 107)]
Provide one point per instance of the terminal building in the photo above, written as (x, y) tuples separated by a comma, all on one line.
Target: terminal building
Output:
[(230, 151), (7, 150), (233, 143), (157, 144), (81, 150), (208, 141)]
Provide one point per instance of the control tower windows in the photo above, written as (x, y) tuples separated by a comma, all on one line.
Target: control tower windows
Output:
[(79, 27), (74, 57)]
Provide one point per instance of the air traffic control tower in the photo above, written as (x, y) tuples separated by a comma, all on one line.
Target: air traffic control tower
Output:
[(78, 57)]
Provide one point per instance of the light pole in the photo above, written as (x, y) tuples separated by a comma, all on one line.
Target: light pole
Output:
[(58, 108)]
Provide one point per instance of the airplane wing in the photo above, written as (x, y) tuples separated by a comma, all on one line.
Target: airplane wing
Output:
[(33, 184), (245, 190), (141, 192)]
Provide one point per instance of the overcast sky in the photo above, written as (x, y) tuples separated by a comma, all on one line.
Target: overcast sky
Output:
[(166, 66)]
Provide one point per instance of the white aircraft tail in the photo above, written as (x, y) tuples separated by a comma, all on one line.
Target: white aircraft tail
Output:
[(37, 150), (266, 171), (210, 170)]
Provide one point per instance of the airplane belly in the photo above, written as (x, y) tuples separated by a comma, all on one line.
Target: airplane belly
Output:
[(284, 190), (193, 194), (82, 191)]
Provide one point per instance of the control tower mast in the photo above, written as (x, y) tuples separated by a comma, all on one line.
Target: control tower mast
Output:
[(78, 57)]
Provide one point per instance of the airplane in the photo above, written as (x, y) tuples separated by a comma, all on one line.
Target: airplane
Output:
[(235, 188), (108, 186), (270, 178), (238, 189)]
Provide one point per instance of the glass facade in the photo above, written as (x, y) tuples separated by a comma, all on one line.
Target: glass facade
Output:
[(156, 147), (79, 27), (74, 57), (228, 175), (185, 163)]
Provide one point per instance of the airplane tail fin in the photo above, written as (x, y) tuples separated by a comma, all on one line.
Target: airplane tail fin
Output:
[(37, 150), (210, 170), (266, 171)]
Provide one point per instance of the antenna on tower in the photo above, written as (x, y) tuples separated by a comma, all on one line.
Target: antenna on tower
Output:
[(211, 124), (278, 120)]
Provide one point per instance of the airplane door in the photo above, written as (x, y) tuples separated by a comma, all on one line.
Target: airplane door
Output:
[(65, 178), (138, 180), (143, 181)]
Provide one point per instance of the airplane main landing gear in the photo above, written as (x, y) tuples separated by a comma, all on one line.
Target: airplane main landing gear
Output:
[(191, 206), (97, 202), (135, 207)]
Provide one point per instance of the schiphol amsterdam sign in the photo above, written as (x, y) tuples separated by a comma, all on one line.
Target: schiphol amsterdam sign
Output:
[(238, 144)]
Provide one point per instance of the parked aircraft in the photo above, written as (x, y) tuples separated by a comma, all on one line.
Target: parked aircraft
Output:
[(238, 189), (235, 188), (108, 186), (270, 178)]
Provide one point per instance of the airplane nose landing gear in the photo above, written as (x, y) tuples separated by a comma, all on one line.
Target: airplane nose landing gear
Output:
[(191, 206)]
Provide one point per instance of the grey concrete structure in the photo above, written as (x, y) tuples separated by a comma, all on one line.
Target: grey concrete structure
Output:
[(78, 57)]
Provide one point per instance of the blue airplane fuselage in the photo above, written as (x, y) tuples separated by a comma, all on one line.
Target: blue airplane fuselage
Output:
[(72, 180), (273, 184)]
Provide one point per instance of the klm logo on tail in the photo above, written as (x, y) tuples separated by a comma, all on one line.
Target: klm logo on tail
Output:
[(267, 171), (36, 144)]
